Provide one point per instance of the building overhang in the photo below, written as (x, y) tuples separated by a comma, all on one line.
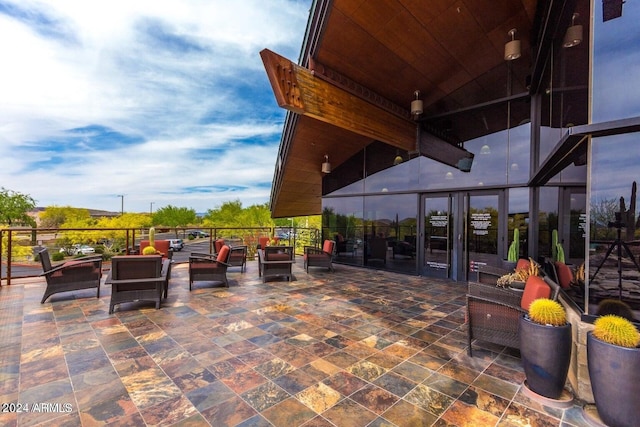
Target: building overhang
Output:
[(360, 67)]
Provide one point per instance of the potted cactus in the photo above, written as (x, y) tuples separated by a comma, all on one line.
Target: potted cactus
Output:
[(518, 278), (514, 251), (545, 347), (557, 251), (613, 358), (151, 249)]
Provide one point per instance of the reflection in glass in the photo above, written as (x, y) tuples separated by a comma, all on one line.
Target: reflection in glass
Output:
[(519, 218), (482, 234), (390, 230), (614, 224), (616, 65), (437, 236)]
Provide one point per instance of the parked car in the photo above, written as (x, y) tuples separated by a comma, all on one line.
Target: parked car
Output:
[(78, 249), (198, 233), (176, 245)]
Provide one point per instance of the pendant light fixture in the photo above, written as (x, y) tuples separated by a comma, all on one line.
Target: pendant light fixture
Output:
[(512, 48), (326, 166), (398, 159), (573, 36), (416, 105)]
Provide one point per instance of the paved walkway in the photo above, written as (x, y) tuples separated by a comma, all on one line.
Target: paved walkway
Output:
[(351, 348)]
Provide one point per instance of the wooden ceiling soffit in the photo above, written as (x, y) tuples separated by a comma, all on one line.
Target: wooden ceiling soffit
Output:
[(298, 90)]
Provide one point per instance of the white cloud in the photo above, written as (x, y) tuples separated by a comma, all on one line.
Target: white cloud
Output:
[(177, 80)]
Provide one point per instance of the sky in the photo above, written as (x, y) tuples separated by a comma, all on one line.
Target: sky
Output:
[(142, 103)]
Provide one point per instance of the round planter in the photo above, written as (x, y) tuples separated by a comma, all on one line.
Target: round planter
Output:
[(517, 284), (546, 353), (509, 265), (615, 381)]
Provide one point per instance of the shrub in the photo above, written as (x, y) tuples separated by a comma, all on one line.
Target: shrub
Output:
[(57, 256)]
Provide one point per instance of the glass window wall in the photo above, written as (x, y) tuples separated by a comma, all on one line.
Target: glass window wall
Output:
[(390, 231)]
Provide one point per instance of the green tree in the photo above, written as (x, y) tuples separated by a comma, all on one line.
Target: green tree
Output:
[(56, 216), (14, 208), (228, 215), (174, 217)]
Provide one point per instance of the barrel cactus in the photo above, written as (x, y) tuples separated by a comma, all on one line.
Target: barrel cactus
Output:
[(547, 312), (151, 249), (616, 330)]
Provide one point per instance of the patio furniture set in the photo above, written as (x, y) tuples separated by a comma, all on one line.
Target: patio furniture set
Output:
[(493, 312), (146, 277)]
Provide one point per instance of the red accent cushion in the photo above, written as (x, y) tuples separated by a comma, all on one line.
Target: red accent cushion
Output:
[(263, 242), (223, 254), (534, 288), (522, 263), (218, 244), (328, 246), (565, 275)]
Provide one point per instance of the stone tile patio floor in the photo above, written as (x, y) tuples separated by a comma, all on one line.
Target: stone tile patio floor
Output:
[(351, 348)]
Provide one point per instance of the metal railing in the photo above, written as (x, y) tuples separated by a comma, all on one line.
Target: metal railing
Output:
[(19, 246)]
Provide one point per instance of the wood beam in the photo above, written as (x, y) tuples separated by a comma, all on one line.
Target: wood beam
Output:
[(298, 90)]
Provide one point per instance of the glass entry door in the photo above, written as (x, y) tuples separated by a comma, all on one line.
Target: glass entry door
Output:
[(482, 231), (438, 223), (462, 230)]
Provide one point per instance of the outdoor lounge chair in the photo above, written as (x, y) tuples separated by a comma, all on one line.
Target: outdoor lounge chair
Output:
[(80, 273), (314, 257), (493, 312), (138, 278), (209, 267)]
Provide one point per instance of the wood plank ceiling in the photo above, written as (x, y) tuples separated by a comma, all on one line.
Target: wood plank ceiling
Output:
[(452, 52)]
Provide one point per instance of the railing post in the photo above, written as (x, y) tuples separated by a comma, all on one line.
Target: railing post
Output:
[(9, 259), (1, 235)]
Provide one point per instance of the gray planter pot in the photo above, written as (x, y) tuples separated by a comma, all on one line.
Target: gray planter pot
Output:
[(546, 353), (509, 265), (615, 381)]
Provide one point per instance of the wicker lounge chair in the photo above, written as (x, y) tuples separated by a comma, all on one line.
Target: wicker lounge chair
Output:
[(81, 273), (209, 267), (314, 257), (493, 312), (138, 278)]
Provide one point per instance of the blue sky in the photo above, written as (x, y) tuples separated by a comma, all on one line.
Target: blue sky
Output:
[(164, 102)]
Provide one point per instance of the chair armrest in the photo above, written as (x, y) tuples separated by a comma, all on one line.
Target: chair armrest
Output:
[(495, 293), (207, 258), (505, 304), (166, 265), (75, 263), (202, 256), (314, 250), (145, 280)]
